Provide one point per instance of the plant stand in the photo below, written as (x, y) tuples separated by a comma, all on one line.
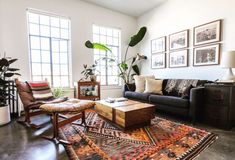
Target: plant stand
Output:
[(4, 115)]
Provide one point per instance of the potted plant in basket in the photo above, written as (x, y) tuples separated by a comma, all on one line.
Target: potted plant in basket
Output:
[(5, 73)]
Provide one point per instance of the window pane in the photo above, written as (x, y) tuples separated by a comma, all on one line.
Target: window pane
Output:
[(34, 18), (56, 70), (55, 46), (113, 70), (36, 69), (102, 70), (115, 33), (63, 46), (64, 81), (34, 29), (64, 34), (37, 78), (56, 58), (109, 40), (103, 39), (46, 69), (56, 81), (103, 80), (55, 22), (45, 44), (115, 41), (96, 52), (96, 29), (45, 31), (55, 32), (109, 32), (64, 69), (35, 56), (35, 42), (64, 23), (46, 57), (102, 31), (96, 38), (112, 80), (44, 20), (63, 58)]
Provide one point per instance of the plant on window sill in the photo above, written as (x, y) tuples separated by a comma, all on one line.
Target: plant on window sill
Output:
[(89, 71)]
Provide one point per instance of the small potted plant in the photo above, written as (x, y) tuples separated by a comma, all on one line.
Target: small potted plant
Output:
[(89, 72), (5, 73)]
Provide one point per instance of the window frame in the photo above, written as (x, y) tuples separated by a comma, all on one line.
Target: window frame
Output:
[(107, 85), (50, 50)]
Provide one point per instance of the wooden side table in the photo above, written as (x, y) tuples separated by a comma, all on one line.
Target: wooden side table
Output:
[(219, 109), (89, 90)]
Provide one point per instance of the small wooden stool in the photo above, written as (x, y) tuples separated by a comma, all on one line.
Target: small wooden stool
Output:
[(69, 106)]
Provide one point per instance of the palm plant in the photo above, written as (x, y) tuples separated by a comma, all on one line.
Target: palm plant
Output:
[(5, 73)]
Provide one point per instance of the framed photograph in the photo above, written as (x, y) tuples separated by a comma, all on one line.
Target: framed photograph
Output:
[(178, 59), (158, 45), (178, 40), (158, 60), (207, 33), (207, 55)]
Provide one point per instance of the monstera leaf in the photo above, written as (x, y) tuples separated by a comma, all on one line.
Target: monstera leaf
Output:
[(99, 46), (138, 37)]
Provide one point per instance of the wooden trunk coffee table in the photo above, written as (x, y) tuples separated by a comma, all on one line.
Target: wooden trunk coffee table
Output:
[(127, 114)]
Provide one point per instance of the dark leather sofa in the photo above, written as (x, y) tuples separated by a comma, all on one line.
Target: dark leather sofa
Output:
[(171, 103)]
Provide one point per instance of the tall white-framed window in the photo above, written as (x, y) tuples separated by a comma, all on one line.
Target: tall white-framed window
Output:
[(107, 70), (49, 47)]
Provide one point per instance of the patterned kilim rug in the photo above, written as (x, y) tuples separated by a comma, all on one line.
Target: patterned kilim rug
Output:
[(162, 140)]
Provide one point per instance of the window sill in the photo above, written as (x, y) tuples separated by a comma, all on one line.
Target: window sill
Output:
[(110, 87)]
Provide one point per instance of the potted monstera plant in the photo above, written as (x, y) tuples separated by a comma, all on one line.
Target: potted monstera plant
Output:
[(5, 73)]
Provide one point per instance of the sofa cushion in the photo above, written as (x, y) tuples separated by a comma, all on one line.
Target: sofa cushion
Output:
[(153, 86), (169, 100), (137, 96), (176, 87), (140, 82)]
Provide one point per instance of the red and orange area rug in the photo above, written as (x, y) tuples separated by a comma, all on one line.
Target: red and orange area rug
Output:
[(163, 139)]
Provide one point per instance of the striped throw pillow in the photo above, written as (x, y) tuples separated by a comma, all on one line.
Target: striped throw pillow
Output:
[(40, 90)]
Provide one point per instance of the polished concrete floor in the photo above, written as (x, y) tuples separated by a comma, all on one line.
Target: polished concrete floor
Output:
[(21, 143)]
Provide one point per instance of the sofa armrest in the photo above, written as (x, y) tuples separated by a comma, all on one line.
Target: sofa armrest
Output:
[(196, 100)]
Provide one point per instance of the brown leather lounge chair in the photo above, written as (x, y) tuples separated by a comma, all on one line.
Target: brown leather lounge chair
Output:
[(31, 107)]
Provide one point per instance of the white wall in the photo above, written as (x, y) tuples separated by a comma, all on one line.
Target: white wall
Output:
[(13, 30), (177, 15)]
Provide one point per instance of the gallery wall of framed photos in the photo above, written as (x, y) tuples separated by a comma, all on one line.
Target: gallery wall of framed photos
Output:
[(206, 47)]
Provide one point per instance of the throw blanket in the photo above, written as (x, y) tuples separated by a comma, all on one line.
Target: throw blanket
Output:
[(40, 90)]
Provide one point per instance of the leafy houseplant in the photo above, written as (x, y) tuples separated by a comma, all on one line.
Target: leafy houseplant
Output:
[(5, 73), (125, 70), (89, 71), (58, 92)]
